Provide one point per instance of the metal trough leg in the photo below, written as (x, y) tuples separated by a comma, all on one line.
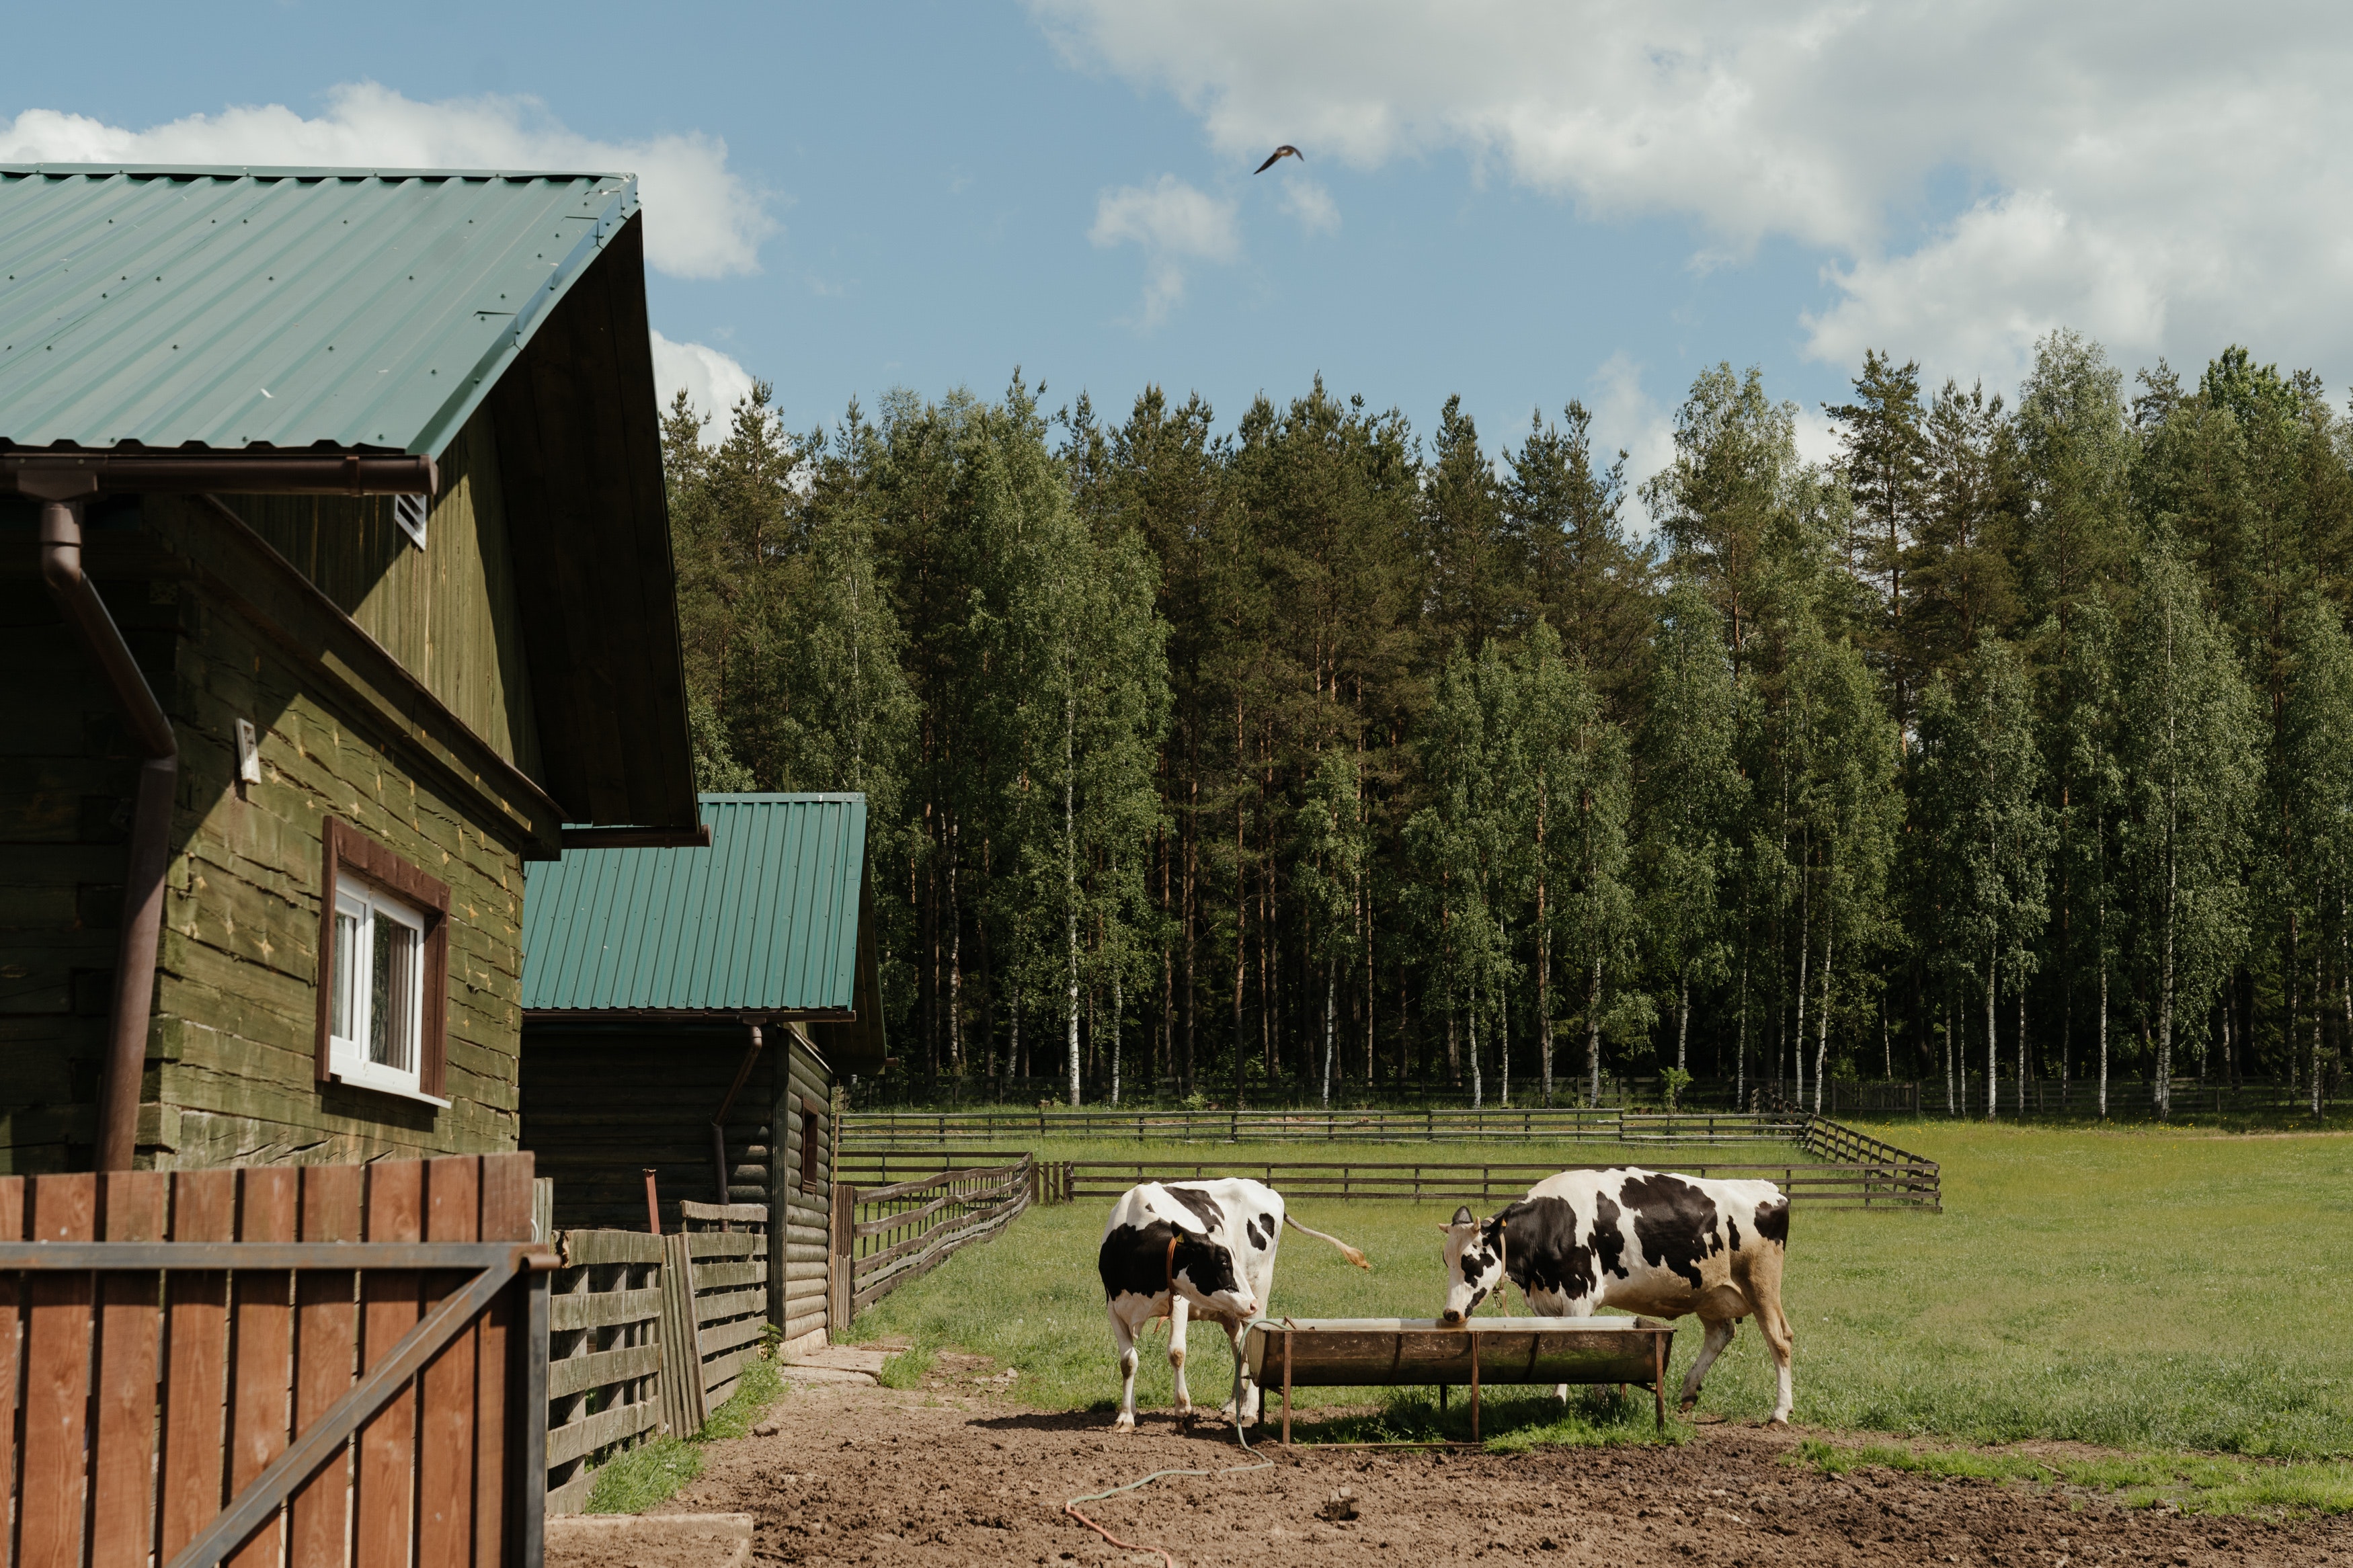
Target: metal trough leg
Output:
[(1474, 1388), (1659, 1378), (1286, 1389)]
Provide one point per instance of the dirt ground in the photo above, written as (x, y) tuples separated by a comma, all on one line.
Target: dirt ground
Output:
[(945, 1477)]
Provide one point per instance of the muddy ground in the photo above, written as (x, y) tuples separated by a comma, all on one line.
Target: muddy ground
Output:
[(943, 1478)]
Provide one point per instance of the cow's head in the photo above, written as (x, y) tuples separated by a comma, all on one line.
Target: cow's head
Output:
[(1475, 1265), (1208, 1273)]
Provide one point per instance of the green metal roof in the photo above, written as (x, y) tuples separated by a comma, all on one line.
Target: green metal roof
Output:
[(764, 921), (285, 308)]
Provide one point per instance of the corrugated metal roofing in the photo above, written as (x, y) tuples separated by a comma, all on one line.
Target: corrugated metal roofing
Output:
[(763, 921), (232, 307)]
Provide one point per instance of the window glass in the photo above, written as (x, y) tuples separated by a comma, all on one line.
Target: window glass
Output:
[(392, 1008)]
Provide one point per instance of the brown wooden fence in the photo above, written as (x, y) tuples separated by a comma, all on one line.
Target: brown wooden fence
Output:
[(868, 1133), (1874, 1184), (311, 1366), (885, 1237)]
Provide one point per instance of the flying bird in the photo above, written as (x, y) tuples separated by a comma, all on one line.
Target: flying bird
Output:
[(1286, 151)]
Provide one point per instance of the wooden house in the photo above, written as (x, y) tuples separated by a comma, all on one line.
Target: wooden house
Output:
[(688, 1017), (335, 582)]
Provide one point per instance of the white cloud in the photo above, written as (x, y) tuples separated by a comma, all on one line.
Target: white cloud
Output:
[(701, 219), (1626, 417), (2167, 183), (1311, 205), (714, 382), (1175, 223)]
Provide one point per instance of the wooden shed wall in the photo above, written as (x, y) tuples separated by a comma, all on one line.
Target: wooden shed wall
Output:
[(601, 1104)]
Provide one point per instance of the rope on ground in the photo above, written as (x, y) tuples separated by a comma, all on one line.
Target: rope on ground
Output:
[(1241, 1435)]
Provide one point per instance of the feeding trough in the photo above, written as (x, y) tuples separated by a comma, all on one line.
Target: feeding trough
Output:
[(1381, 1351)]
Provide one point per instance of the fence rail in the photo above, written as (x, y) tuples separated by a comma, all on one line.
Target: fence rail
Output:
[(1905, 1183), (318, 1345), (888, 1236), (871, 1133)]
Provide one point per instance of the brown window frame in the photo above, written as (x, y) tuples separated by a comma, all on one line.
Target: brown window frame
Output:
[(346, 850), (812, 1140)]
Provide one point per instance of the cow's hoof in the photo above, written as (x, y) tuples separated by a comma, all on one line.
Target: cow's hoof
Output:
[(1782, 1422), (1685, 1407), (1125, 1424)]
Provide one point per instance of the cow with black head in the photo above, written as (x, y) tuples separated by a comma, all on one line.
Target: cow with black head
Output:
[(1176, 1248), (1645, 1241)]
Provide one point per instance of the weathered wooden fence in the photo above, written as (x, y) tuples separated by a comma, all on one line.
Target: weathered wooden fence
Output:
[(604, 1369), (866, 1133), (1904, 1183), (347, 1354), (885, 1237)]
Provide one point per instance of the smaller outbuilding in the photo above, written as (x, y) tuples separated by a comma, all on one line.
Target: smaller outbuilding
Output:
[(690, 1013)]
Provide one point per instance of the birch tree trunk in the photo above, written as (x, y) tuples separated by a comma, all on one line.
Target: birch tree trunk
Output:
[(1822, 1028), (1805, 952), (1593, 1035), (1682, 1017), (1071, 883), (1478, 1083), (1993, 1047), (1331, 1007), (1118, 1016), (2103, 1033)]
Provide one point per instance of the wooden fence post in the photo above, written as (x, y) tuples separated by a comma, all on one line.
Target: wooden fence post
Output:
[(841, 1236), (681, 1345)]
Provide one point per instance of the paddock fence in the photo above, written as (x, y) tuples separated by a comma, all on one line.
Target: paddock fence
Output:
[(866, 1134), (1907, 1183), (285, 1364), (890, 1235)]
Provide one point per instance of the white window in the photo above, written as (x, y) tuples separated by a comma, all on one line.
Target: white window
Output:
[(375, 1032)]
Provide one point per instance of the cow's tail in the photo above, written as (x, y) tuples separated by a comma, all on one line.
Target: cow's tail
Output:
[(1346, 1251)]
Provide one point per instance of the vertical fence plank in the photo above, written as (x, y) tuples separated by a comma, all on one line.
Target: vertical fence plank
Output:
[(12, 1228), (512, 1211), (381, 1492), (261, 1329), (445, 1433), (136, 1206), (196, 1344), (57, 1381), (325, 1329)]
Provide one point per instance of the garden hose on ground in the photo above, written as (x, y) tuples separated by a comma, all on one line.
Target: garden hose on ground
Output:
[(1241, 1436)]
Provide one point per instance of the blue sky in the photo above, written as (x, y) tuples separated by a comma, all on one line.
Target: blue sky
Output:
[(1522, 202)]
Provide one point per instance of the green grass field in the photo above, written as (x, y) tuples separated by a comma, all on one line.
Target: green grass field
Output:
[(2141, 1288)]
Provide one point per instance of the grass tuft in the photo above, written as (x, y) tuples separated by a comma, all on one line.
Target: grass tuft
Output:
[(907, 1369), (653, 1471)]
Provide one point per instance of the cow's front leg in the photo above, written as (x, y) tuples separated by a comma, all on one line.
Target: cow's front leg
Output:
[(1176, 1313), (1719, 1334), (1245, 1401), (1123, 1337)]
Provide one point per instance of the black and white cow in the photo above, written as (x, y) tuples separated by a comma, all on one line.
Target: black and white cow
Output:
[(1204, 1247), (1642, 1240)]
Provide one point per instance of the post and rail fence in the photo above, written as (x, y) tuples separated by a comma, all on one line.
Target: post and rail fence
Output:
[(869, 1131), (322, 1346), (890, 1235)]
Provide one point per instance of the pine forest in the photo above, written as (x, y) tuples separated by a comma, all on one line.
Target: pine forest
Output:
[(1320, 759)]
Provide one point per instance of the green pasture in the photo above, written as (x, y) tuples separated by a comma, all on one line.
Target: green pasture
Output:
[(2173, 1289)]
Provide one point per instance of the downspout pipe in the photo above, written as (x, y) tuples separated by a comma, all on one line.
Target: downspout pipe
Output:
[(62, 496)]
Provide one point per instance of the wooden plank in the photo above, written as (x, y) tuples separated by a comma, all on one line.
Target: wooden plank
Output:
[(503, 1491), (602, 1430), (262, 1321), (731, 1244), (52, 1493), (195, 1350), (136, 1205), (445, 1428), (12, 1326), (682, 1387), (326, 1333), (732, 1304), (569, 1311), (719, 1276), (571, 1497), (582, 1247), (737, 1214), (721, 1337), (383, 1482), (601, 1368)]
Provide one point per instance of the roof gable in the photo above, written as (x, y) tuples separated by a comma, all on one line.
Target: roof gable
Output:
[(281, 308)]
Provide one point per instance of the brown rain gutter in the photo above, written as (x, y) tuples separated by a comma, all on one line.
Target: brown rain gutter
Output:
[(226, 473), (142, 922), (63, 482)]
